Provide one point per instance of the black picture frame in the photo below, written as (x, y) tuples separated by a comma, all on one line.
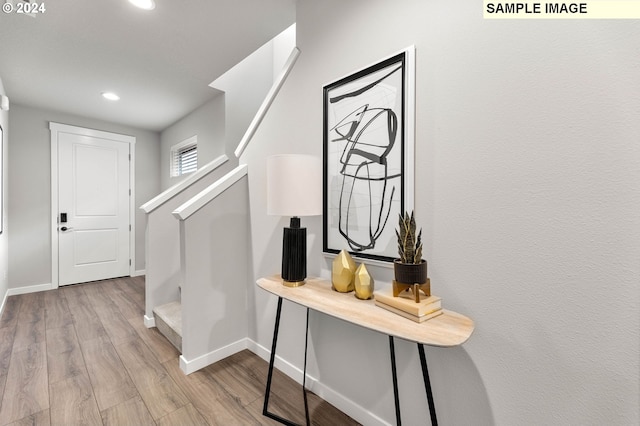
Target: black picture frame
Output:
[(368, 165)]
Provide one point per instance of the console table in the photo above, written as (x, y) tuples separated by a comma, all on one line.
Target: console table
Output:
[(446, 330)]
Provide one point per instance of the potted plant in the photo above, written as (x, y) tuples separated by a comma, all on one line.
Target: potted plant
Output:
[(410, 268)]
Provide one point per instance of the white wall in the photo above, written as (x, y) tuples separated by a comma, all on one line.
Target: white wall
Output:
[(4, 252), (206, 122), (221, 123), (245, 87), (528, 190), (213, 254), (29, 201)]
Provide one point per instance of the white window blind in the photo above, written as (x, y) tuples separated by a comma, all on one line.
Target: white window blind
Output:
[(184, 157)]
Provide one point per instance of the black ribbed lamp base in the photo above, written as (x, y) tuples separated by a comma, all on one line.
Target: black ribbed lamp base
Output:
[(294, 254)]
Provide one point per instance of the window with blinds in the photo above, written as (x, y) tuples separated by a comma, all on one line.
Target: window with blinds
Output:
[(184, 157)]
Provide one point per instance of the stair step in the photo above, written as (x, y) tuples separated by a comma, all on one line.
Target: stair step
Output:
[(169, 322)]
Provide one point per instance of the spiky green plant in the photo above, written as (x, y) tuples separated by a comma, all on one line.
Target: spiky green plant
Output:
[(409, 246)]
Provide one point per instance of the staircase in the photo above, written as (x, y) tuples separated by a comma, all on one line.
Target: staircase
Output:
[(169, 322), (205, 318)]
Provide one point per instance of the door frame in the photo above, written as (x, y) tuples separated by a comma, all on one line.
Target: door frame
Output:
[(56, 129)]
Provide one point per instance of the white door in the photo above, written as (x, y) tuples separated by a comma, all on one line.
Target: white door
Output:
[(93, 208)]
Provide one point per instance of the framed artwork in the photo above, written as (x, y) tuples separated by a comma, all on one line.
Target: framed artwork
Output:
[(1, 180), (368, 120)]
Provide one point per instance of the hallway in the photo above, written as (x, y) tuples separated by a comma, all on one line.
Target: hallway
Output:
[(81, 354)]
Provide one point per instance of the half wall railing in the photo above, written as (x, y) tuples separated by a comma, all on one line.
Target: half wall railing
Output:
[(162, 282), (200, 259)]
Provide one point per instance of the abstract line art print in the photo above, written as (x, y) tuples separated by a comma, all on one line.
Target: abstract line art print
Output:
[(368, 158)]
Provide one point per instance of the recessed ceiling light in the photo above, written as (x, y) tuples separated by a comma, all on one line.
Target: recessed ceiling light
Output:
[(144, 4), (111, 96)]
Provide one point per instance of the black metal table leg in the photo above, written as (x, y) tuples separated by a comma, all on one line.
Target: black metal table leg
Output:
[(427, 385), (265, 408), (394, 374), (304, 377)]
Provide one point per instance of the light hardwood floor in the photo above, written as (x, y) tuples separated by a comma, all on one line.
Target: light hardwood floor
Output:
[(82, 355)]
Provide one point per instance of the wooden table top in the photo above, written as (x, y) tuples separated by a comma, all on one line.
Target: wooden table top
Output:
[(446, 330)]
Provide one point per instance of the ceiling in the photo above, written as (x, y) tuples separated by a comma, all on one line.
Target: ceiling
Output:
[(159, 62)]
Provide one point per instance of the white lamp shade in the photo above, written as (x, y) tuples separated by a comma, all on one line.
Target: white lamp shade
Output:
[(294, 185)]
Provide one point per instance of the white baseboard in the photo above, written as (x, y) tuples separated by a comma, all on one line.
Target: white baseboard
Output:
[(190, 366), (280, 363), (139, 272), (353, 410), (29, 289), (334, 398), (149, 322), (4, 302)]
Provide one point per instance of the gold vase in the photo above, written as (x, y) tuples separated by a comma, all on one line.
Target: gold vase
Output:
[(363, 283), (343, 272)]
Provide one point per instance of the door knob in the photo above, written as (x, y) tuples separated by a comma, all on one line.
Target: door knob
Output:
[(64, 228)]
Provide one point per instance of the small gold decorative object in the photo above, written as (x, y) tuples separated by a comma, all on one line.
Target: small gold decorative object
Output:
[(363, 283), (415, 289), (342, 272)]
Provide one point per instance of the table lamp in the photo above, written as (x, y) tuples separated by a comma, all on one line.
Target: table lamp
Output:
[(294, 188)]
